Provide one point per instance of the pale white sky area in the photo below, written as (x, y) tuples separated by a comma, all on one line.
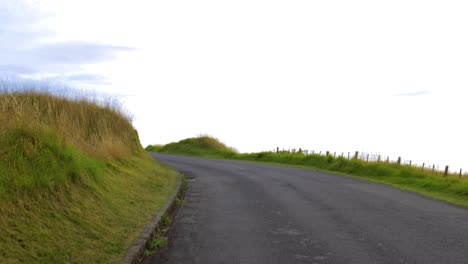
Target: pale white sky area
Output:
[(377, 76)]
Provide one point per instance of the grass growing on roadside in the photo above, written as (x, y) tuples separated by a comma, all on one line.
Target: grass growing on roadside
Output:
[(451, 188), (158, 239), (75, 184)]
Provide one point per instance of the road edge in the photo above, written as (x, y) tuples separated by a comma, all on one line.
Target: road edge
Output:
[(136, 250)]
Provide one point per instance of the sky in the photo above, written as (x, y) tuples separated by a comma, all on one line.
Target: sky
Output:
[(385, 77)]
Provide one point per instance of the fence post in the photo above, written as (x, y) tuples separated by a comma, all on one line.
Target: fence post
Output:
[(356, 155), (446, 171), (378, 159), (410, 162), (433, 168), (423, 166), (348, 154), (334, 154), (388, 159), (399, 161), (320, 153), (342, 154), (312, 152), (277, 149), (461, 170), (306, 152), (328, 152), (367, 159)]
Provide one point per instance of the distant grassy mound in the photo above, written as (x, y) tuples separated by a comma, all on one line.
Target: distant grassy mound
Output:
[(75, 183), (200, 146)]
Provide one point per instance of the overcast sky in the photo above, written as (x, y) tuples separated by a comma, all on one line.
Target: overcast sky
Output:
[(388, 77)]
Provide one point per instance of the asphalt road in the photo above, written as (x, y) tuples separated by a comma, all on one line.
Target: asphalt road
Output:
[(242, 212)]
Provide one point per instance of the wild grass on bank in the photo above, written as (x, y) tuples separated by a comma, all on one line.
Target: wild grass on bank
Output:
[(75, 184), (451, 188), (47, 141), (92, 223), (100, 130)]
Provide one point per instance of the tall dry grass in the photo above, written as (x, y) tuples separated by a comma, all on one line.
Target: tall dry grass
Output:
[(100, 129)]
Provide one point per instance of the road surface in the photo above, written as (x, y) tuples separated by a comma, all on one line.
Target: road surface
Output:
[(243, 212)]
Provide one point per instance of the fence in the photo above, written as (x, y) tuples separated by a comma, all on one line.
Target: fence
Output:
[(377, 157)]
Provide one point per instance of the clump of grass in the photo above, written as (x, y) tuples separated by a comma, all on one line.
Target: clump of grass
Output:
[(155, 244), (158, 239)]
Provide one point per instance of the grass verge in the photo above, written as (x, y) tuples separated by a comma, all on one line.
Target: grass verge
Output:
[(451, 189)]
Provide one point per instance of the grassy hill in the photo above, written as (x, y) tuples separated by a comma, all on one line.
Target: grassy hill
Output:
[(200, 146), (450, 188), (75, 184)]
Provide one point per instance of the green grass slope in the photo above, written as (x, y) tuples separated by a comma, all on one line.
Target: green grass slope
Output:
[(451, 188), (200, 146), (75, 184)]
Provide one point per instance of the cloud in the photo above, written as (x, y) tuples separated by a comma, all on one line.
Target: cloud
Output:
[(80, 78), (92, 78), (19, 26), (15, 69), (25, 52), (412, 94), (75, 52)]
